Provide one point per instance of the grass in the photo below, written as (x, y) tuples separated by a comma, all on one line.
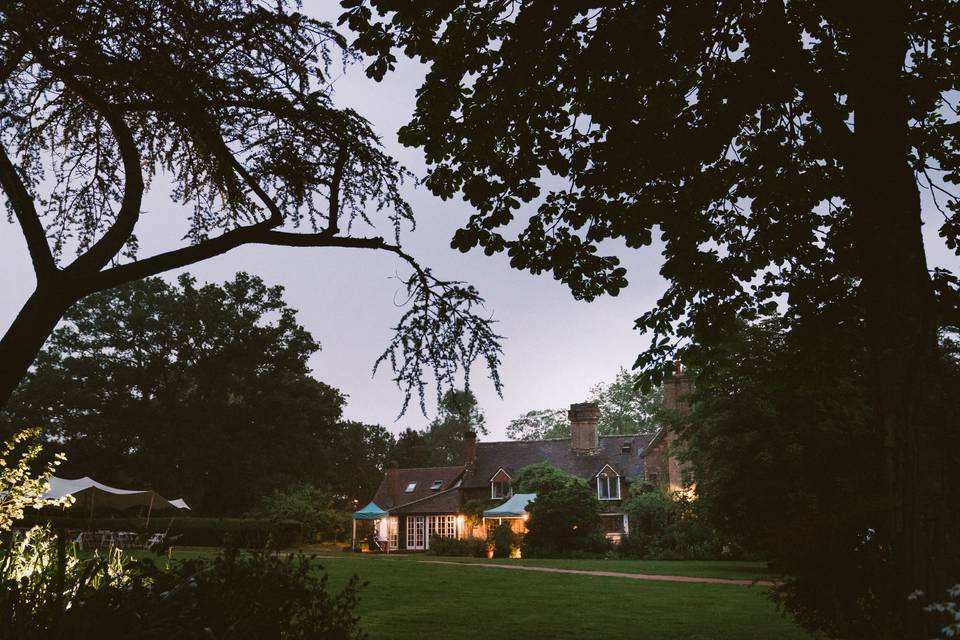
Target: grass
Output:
[(406, 599)]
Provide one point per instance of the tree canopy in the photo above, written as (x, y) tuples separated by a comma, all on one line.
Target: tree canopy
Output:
[(232, 102), (625, 407), (197, 391), (778, 150), (441, 443)]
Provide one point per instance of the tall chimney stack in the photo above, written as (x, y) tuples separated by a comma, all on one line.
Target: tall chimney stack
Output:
[(469, 448), (583, 428), (676, 390)]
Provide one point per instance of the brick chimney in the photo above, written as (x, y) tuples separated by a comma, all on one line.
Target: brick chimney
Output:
[(469, 448), (676, 388), (583, 428), (392, 476)]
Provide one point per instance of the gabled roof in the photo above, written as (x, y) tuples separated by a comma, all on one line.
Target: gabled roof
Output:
[(516, 454), (424, 477), (605, 467)]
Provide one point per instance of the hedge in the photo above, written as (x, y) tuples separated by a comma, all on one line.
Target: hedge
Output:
[(214, 532)]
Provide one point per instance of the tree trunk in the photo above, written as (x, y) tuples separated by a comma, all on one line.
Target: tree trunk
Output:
[(898, 300), (25, 337)]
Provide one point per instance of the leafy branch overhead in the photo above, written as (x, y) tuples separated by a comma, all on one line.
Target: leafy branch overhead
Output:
[(231, 105)]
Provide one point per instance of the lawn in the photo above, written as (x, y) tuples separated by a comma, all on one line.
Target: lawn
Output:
[(407, 599)]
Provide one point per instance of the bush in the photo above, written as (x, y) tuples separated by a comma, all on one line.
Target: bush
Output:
[(470, 547), (667, 527), (505, 541), (309, 505), (208, 532), (51, 594), (564, 521)]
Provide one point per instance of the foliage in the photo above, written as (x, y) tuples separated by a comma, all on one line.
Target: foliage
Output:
[(667, 527), (20, 487), (233, 102), (469, 547), (778, 152), (441, 443), (541, 477), (196, 391), (564, 519), (625, 407), (947, 612), (51, 594), (505, 541), (473, 509), (308, 505), (539, 424)]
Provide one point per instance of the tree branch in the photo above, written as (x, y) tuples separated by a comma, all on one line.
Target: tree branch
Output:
[(785, 44), (23, 206), (335, 183), (256, 234)]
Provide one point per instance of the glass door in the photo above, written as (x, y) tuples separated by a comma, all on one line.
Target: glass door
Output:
[(416, 533)]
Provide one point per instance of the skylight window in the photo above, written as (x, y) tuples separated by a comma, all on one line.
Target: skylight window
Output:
[(436, 485), (410, 487), (625, 448)]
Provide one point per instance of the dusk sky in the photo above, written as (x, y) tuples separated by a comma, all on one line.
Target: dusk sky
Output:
[(556, 347)]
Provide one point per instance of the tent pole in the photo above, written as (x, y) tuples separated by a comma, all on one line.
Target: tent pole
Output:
[(353, 544), (149, 511), (90, 521)]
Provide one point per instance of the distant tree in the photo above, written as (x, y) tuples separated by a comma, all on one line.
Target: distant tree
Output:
[(322, 518), (778, 148), (539, 424), (197, 391), (232, 101), (626, 406), (441, 443)]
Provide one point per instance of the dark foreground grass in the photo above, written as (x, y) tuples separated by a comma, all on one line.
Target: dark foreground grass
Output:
[(406, 599)]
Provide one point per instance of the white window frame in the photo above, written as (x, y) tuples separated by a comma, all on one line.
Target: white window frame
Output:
[(444, 526), (436, 485), (415, 525), (393, 533), (605, 479), (508, 482)]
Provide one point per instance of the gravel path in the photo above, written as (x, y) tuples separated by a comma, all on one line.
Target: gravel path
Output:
[(609, 574)]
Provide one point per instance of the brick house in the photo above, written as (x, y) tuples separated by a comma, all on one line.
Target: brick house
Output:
[(429, 501)]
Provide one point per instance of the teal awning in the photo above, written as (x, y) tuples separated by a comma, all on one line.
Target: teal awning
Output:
[(515, 507), (370, 512)]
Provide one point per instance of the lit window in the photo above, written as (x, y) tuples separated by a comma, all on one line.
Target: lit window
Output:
[(499, 490), (410, 487), (442, 526), (436, 485), (608, 487)]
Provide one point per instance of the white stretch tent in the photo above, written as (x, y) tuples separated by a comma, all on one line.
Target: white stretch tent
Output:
[(90, 493)]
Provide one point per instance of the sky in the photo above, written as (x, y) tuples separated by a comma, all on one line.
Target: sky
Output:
[(556, 348)]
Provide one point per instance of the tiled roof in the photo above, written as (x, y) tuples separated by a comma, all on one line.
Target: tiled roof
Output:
[(515, 454), (424, 477), (444, 502)]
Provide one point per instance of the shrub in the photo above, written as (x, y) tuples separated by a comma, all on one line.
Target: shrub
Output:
[(564, 521), (51, 594), (470, 547), (667, 527), (309, 505), (505, 541)]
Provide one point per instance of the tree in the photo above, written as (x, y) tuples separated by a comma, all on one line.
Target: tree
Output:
[(441, 443), (625, 407), (233, 102), (196, 391), (787, 464), (779, 148), (539, 424), (564, 518)]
